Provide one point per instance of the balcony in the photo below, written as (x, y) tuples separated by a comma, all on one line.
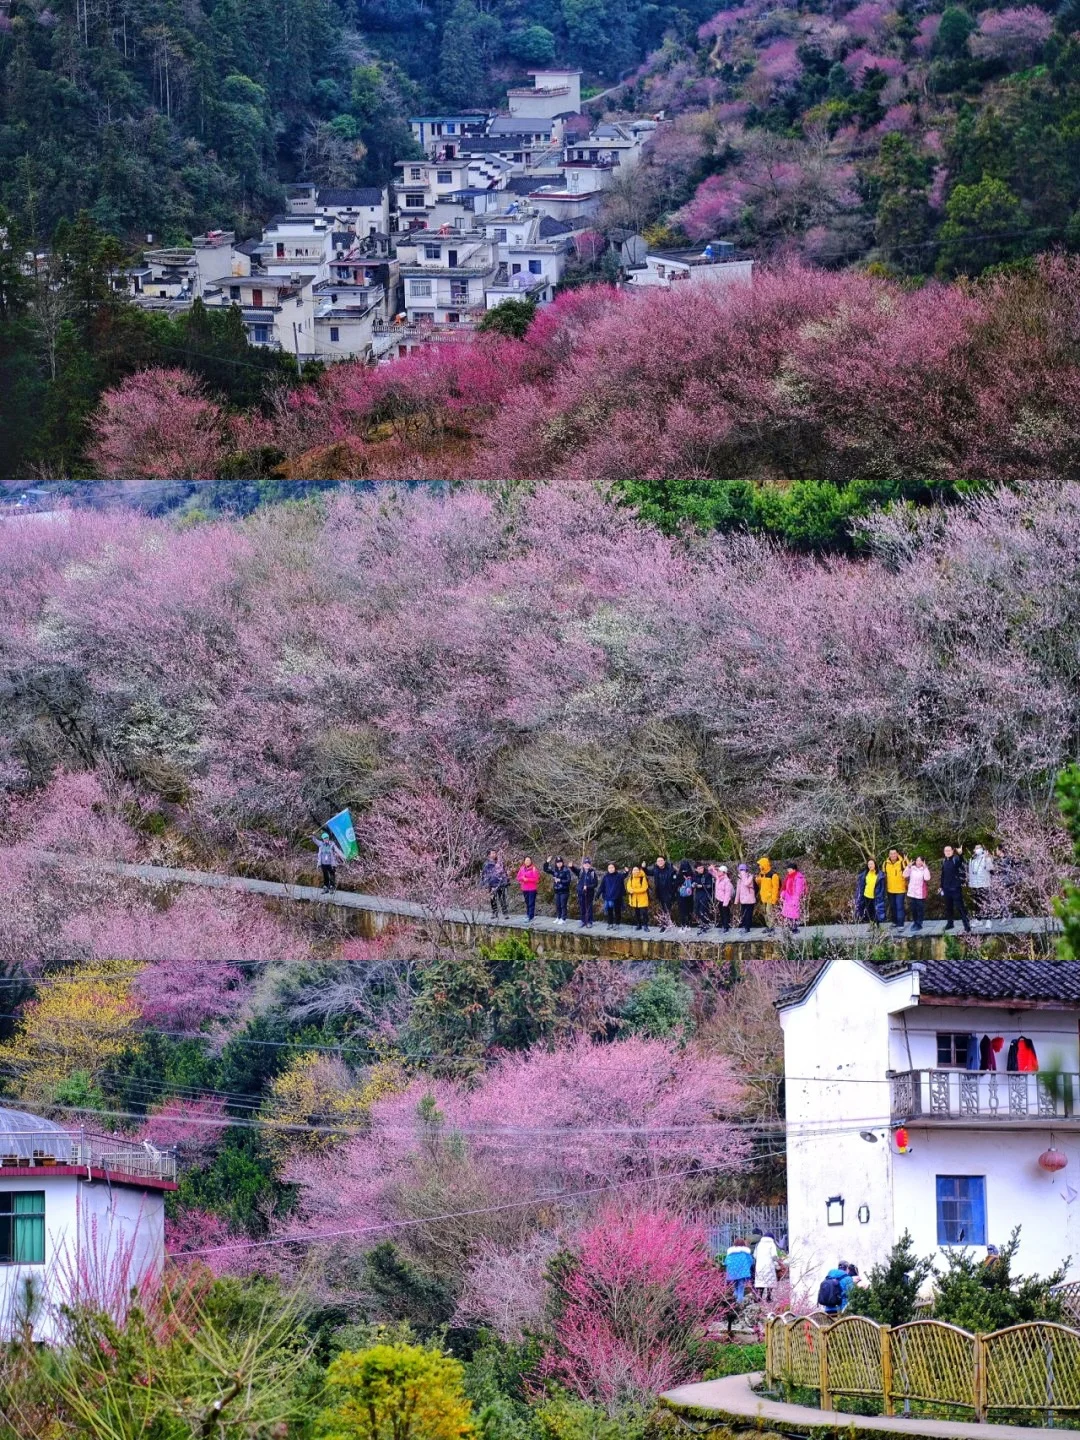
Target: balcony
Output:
[(63, 1150), (990, 1097)]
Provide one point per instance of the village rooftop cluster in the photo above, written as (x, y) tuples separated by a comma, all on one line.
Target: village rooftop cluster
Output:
[(494, 209)]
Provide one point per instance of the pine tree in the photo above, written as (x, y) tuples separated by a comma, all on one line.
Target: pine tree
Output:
[(894, 1287)]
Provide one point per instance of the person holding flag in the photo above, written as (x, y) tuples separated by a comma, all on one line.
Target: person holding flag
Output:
[(335, 842)]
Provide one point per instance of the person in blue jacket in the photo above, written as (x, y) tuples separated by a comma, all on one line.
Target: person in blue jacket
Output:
[(739, 1266), (612, 889)]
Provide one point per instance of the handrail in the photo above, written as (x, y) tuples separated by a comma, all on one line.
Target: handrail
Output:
[(1032, 1367)]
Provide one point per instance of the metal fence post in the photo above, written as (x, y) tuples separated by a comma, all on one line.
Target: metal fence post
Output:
[(979, 1379), (886, 1369)]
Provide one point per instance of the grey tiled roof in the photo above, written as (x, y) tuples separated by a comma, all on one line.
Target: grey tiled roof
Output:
[(1027, 980)]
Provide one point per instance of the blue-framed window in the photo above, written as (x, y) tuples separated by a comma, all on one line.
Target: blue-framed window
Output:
[(961, 1209)]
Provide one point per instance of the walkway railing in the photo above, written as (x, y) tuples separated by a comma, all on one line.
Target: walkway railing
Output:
[(1025, 1369)]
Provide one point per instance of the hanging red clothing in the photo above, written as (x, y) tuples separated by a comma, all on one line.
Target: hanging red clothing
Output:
[(1026, 1059)]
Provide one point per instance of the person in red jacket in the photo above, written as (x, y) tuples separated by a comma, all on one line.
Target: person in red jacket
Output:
[(528, 877)]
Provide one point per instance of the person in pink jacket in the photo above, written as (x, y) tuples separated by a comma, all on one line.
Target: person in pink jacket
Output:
[(528, 877), (791, 897), (724, 894), (745, 898), (917, 876)]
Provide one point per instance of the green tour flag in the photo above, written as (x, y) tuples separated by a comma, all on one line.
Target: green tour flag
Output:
[(341, 828)]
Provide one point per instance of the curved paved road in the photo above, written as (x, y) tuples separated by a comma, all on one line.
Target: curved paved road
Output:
[(734, 1399)]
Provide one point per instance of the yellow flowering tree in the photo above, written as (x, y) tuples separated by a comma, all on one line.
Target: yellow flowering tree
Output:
[(396, 1392), (319, 1090), (81, 1021)]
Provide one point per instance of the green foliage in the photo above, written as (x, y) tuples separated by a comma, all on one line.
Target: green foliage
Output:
[(534, 45), (659, 1007), (502, 996), (984, 1295), (735, 1360), (894, 1286), (809, 514), (399, 1290), (239, 1184), (511, 318), (395, 1392), (564, 1417), (955, 29), (1068, 908), (985, 224)]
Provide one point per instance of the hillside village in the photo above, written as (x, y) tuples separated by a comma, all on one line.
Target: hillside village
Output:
[(497, 207)]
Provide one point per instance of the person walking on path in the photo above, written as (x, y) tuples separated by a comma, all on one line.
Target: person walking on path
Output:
[(703, 897), (562, 878), (980, 875), (830, 1295), (637, 897), (739, 1266), (953, 876), (612, 889), (587, 880), (768, 883), (662, 875), (870, 894), (497, 881), (329, 855), (686, 893), (791, 897), (917, 876), (896, 886), (766, 1256), (724, 893), (528, 877), (745, 898)]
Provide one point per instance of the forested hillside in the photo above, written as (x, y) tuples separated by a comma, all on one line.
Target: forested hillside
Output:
[(166, 118), (931, 138)]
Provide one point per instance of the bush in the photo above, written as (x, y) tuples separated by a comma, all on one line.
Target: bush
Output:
[(979, 1294), (395, 1392), (659, 1007), (894, 1286), (735, 1360)]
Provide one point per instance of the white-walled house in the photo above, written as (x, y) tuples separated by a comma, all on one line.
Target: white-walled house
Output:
[(874, 1050), (445, 274), (667, 269), (554, 92), (79, 1215)]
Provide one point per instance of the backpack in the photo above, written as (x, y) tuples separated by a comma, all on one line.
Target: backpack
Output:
[(686, 889), (830, 1295)]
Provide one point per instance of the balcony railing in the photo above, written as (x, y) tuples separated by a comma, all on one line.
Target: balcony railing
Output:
[(994, 1096), (46, 1149)]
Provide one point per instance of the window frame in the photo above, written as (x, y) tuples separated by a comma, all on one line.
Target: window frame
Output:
[(419, 289), (10, 1239), (951, 1037), (966, 1228), (335, 334)]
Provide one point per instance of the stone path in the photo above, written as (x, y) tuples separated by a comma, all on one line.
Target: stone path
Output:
[(733, 1399), (381, 906)]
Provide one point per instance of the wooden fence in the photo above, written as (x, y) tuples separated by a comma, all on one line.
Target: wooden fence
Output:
[(1031, 1367)]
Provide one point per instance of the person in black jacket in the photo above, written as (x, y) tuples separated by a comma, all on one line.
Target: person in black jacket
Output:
[(953, 875), (685, 892), (562, 878), (612, 889), (664, 883), (587, 880), (703, 897)]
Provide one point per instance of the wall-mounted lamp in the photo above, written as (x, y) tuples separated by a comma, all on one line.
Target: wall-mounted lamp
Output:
[(864, 1214), (868, 1136), (834, 1210)]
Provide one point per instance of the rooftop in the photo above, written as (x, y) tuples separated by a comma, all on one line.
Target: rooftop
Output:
[(361, 195), (32, 1143), (994, 981)]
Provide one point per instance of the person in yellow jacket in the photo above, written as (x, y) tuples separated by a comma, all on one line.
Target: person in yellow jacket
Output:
[(768, 886), (896, 886), (637, 897)]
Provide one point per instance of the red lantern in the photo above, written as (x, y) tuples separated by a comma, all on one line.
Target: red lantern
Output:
[(900, 1139), (1053, 1160)]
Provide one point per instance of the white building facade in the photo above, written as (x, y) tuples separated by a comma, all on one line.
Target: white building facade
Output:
[(894, 1125), (80, 1216)]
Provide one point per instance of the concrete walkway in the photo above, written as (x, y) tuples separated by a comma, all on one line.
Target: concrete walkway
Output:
[(732, 1401), (382, 911)]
